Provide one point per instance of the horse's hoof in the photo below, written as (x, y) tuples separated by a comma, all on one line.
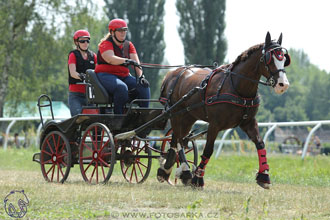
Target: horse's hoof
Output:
[(197, 182), (162, 175), (263, 180), (186, 177)]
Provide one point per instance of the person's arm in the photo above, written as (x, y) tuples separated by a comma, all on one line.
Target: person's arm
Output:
[(110, 57), (72, 66), (73, 71), (135, 57)]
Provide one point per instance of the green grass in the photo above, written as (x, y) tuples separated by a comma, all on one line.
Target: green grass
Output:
[(300, 190)]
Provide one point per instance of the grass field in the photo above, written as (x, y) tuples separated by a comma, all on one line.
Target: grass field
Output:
[(300, 190)]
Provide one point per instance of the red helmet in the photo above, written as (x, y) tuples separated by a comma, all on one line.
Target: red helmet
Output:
[(117, 23), (81, 33)]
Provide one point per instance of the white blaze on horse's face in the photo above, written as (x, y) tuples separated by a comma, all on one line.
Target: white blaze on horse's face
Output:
[(282, 82)]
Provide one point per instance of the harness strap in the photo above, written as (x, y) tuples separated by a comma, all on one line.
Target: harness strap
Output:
[(233, 99)]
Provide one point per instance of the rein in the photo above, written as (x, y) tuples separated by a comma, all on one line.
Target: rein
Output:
[(159, 66)]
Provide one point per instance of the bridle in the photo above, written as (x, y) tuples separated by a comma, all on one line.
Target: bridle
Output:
[(266, 59)]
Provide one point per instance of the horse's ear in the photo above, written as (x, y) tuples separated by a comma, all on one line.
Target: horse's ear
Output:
[(279, 41), (268, 40)]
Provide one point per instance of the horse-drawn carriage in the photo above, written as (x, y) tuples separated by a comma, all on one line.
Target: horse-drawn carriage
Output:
[(225, 97), (87, 139)]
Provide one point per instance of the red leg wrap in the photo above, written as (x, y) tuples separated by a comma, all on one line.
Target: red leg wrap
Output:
[(262, 160), (201, 167)]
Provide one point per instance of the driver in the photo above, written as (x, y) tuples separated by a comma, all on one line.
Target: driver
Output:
[(79, 61), (114, 56)]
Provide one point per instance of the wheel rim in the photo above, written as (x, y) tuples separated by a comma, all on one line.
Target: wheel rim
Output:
[(96, 157), (190, 151), (55, 157), (136, 161)]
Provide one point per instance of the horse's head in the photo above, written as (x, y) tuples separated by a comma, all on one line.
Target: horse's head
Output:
[(275, 58)]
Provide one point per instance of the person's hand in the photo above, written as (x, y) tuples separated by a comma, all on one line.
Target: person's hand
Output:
[(81, 76), (143, 82), (131, 62)]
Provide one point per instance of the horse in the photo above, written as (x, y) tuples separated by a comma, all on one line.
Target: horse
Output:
[(225, 97)]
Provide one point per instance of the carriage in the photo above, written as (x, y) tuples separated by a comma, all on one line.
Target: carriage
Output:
[(225, 97), (87, 139)]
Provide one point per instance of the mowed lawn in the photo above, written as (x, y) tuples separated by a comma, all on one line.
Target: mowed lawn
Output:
[(300, 190)]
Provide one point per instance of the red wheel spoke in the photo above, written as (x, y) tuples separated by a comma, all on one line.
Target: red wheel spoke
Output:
[(53, 172), (190, 161), (62, 148), (101, 143), (57, 144), (46, 161), (50, 146), (43, 151), (105, 163), (87, 147), (140, 170), (104, 144), (61, 156), (103, 172), (58, 173), (189, 150), (90, 180), (52, 167), (88, 166), (106, 154), (139, 162), (93, 141), (61, 170), (97, 172), (126, 171), (130, 179), (83, 158), (54, 141), (136, 177), (64, 164)]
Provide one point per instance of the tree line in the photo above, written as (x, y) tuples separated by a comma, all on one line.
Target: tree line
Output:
[(37, 37)]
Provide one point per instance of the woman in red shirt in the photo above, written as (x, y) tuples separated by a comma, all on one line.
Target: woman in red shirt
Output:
[(79, 61), (114, 56)]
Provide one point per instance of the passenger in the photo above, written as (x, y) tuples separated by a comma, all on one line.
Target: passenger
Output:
[(79, 61), (114, 56)]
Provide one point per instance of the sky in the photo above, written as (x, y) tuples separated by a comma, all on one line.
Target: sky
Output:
[(305, 25)]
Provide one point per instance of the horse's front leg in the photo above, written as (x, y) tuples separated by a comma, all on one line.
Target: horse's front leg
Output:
[(198, 179), (252, 130)]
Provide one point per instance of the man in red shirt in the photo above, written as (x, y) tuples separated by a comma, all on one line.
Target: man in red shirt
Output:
[(79, 61), (114, 56)]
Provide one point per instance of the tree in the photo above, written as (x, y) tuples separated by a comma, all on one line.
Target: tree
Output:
[(16, 18), (202, 26), (146, 30)]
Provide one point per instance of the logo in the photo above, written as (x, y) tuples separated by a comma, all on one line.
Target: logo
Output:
[(16, 204)]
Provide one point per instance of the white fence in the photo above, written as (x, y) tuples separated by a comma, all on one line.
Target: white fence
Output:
[(271, 127), (13, 120)]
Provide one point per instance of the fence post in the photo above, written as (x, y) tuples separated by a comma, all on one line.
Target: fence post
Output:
[(308, 139), (7, 133)]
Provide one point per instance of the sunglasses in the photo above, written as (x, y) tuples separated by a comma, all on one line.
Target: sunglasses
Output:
[(83, 41)]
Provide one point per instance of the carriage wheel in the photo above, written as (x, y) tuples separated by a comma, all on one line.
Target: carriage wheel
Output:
[(55, 157), (136, 161), (97, 154), (191, 151)]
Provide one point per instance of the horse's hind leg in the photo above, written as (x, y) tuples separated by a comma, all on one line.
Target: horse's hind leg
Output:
[(252, 130), (181, 127), (166, 164)]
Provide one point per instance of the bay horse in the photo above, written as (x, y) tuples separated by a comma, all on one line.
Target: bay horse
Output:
[(227, 97)]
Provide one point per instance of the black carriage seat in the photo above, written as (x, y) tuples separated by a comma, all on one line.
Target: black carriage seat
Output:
[(95, 92)]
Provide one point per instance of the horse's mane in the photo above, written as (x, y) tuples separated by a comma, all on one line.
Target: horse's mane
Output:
[(247, 53)]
